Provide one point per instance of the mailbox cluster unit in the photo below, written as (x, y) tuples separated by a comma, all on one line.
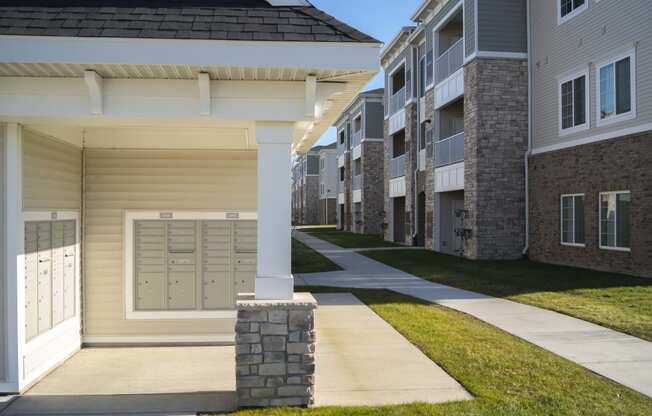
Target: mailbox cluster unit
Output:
[(50, 268), (193, 264)]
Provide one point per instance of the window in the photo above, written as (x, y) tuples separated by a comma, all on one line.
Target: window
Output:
[(567, 9), (615, 220), (357, 124), (616, 89), (573, 99), (572, 220), (422, 77), (357, 167), (430, 68), (342, 174), (321, 164), (342, 137)]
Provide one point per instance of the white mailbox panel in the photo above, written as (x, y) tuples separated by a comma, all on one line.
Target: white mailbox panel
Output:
[(217, 281), (31, 280), (44, 276), (69, 268)]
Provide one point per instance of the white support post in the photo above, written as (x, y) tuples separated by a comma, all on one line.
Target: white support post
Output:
[(274, 279), (95, 85), (311, 96), (204, 94), (13, 256)]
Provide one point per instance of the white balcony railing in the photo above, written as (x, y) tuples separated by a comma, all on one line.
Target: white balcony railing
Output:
[(450, 61), (356, 138), (397, 102), (397, 167), (357, 182), (449, 150)]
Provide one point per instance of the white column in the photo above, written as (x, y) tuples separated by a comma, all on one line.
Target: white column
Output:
[(13, 267), (274, 279)]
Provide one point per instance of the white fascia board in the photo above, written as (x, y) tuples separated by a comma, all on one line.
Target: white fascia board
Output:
[(352, 56)]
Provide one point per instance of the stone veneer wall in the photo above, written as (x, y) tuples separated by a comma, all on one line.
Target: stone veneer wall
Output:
[(496, 131), (275, 352), (372, 187), (348, 177), (387, 201), (612, 165), (430, 176), (311, 200), (411, 149)]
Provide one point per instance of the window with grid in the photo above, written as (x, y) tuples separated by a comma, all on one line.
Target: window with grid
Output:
[(572, 220)]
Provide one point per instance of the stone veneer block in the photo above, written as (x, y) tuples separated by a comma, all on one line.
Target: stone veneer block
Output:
[(275, 352)]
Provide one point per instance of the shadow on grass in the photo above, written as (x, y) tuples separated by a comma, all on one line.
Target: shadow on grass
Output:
[(503, 278)]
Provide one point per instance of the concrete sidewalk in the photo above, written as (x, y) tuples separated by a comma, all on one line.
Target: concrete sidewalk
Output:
[(354, 348), (622, 358)]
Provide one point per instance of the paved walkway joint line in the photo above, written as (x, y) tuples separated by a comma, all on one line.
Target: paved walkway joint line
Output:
[(619, 357)]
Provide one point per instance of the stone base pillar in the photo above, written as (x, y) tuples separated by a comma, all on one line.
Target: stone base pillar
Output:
[(275, 352)]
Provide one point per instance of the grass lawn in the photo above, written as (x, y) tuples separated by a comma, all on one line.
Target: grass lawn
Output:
[(307, 260), (507, 375), (346, 239), (620, 302)]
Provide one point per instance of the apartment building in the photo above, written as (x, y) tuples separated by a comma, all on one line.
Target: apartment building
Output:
[(360, 164), (456, 128), (590, 165), (328, 185), (307, 180)]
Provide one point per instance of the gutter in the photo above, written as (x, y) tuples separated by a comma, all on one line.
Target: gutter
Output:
[(528, 153)]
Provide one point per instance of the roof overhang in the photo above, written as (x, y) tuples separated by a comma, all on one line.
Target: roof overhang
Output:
[(339, 70), (425, 10), (398, 42)]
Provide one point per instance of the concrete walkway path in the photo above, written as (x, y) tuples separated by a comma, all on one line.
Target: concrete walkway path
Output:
[(354, 348), (622, 358)]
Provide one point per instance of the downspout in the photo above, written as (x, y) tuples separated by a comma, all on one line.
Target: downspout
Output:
[(526, 248)]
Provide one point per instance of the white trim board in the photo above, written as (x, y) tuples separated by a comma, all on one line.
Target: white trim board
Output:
[(159, 339), (130, 216), (253, 54), (592, 139)]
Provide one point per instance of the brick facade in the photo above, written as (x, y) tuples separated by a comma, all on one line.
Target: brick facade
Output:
[(348, 198), (612, 165), (411, 150), (387, 201), (430, 177), (310, 195), (372, 187), (327, 211), (496, 132)]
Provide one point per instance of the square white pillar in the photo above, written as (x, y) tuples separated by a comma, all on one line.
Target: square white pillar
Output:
[(274, 279)]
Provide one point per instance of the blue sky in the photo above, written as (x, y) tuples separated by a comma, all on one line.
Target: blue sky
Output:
[(378, 18)]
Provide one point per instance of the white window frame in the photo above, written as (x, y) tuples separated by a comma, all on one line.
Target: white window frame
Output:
[(584, 72), (561, 221), (358, 115), (631, 114), (614, 248), (130, 216), (563, 19)]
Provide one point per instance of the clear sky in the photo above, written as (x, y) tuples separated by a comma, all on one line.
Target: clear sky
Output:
[(378, 18)]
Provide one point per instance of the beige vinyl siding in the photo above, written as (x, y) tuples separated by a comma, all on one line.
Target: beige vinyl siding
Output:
[(3, 306), (604, 30), (52, 173), (116, 180)]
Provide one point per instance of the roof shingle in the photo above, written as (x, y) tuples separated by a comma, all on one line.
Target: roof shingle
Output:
[(174, 19)]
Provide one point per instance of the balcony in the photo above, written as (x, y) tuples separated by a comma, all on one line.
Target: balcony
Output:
[(449, 77), (356, 138), (397, 111), (450, 61), (449, 150), (397, 167), (357, 182)]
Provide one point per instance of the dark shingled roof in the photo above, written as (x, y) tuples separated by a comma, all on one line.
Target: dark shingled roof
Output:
[(174, 19)]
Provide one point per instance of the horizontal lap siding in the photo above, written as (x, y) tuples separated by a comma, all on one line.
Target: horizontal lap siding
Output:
[(3, 337), (52, 173), (603, 30), (154, 180)]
